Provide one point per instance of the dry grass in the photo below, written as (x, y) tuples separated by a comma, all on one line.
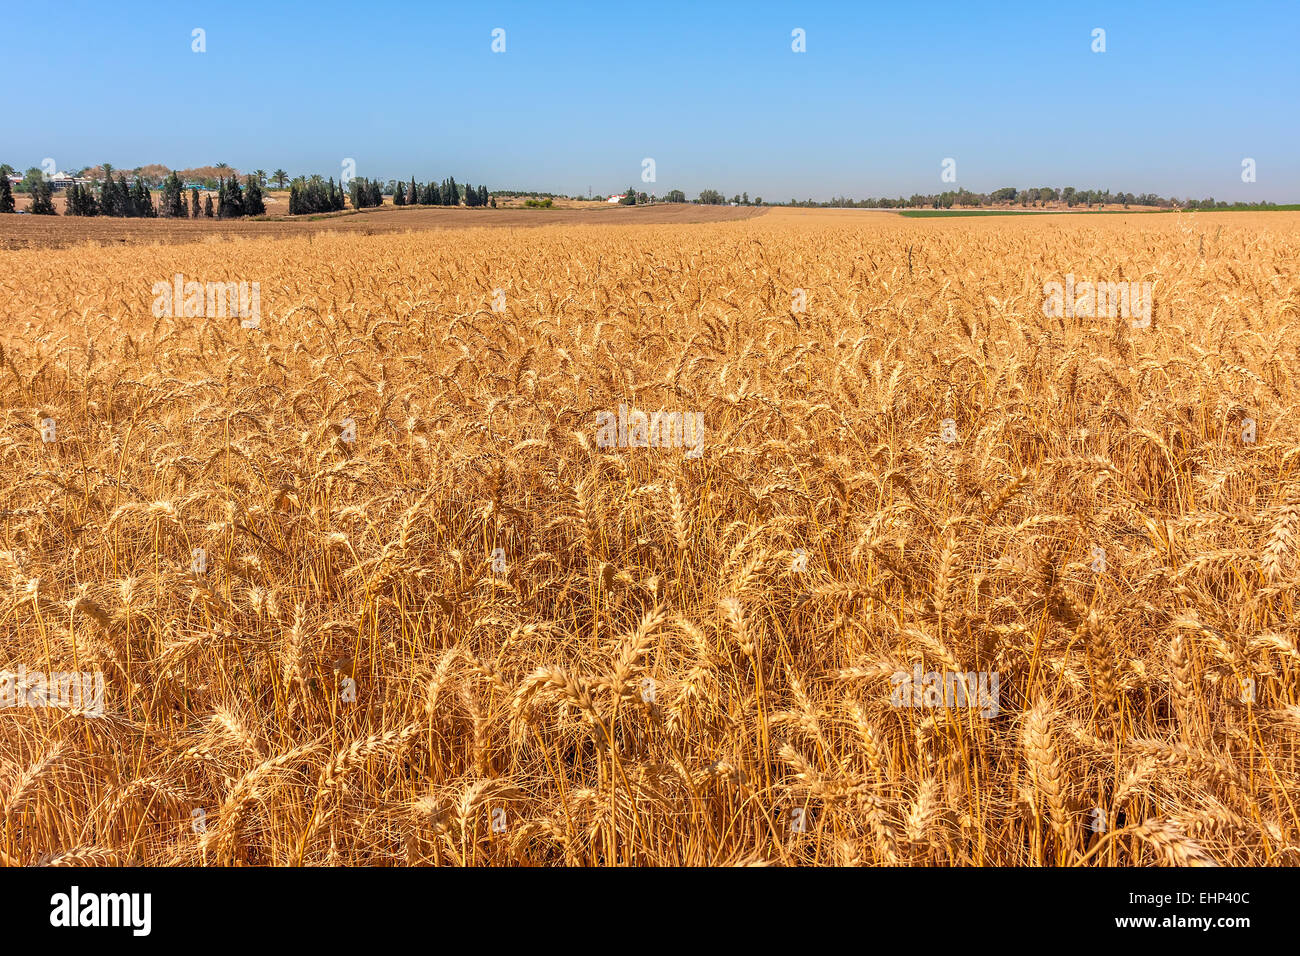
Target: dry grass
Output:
[(1123, 736)]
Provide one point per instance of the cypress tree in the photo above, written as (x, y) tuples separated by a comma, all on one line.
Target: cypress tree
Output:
[(106, 191), (254, 204), (81, 201), (236, 197), (142, 200), (173, 196), (124, 198), (6, 195), (194, 202), (106, 194), (42, 205), (207, 206)]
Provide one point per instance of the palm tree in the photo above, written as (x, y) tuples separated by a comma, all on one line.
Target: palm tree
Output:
[(261, 176), (280, 176), (223, 166)]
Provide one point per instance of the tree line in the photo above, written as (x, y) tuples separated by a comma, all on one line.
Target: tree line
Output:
[(448, 193), (114, 198), (1038, 196), (117, 198), (313, 195), (111, 196)]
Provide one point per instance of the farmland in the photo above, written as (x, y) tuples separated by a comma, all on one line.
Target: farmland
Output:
[(46, 232), (366, 586)]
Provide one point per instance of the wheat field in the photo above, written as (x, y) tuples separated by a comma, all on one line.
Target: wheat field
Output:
[(436, 621)]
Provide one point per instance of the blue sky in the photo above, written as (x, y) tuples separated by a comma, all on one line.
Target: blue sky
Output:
[(712, 92)]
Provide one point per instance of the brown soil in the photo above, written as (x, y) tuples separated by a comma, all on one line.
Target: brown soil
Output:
[(52, 232)]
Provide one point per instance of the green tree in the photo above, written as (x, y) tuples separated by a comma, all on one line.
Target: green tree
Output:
[(122, 205), (74, 203), (6, 194), (108, 198), (173, 196), (140, 201), (280, 176), (194, 202), (31, 178), (254, 205), (42, 201)]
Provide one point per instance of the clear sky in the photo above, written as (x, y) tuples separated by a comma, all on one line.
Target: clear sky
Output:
[(711, 91)]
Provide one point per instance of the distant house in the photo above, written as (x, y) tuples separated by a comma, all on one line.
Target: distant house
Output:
[(63, 180), (615, 199)]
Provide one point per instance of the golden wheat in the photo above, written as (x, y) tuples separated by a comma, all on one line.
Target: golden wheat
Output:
[(366, 587)]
